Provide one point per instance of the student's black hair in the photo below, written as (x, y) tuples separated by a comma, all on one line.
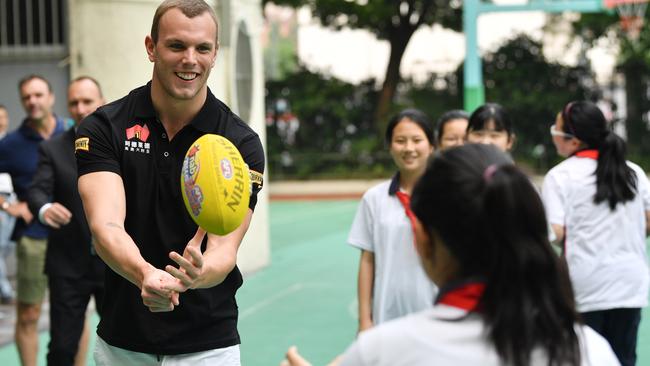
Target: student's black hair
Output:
[(488, 215), (490, 112), (420, 118), (615, 180), (446, 117)]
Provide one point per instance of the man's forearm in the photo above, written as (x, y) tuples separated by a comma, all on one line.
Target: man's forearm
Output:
[(220, 257), (120, 253), (218, 262)]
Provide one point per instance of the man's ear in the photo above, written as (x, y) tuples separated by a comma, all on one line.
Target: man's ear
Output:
[(149, 46)]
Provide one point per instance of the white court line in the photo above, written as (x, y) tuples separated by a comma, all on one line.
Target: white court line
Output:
[(353, 309), (334, 210), (255, 308), (289, 290)]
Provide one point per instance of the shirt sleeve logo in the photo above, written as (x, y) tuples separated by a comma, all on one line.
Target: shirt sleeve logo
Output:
[(136, 139), (257, 181), (81, 144)]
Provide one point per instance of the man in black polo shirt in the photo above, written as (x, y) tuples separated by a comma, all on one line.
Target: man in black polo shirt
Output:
[(129, 155)]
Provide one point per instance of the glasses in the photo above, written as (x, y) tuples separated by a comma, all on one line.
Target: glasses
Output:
[(557, 133)]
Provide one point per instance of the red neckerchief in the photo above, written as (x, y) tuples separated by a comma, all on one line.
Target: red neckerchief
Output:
[(405, 200), (591, 154), (465, 296)]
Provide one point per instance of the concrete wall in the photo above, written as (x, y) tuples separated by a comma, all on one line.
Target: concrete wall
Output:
[(107, 42), (255, 250)]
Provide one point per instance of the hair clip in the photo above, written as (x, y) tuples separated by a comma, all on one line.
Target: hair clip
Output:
[(489, 172)]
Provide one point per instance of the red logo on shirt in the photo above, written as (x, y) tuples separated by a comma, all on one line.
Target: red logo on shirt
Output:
[(140, 144), (139, 132)]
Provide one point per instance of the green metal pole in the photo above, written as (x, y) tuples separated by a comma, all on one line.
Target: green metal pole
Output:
[(472, 9), (474, 95)]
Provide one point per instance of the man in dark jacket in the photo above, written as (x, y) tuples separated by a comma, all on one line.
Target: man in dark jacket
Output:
[(74, 270)]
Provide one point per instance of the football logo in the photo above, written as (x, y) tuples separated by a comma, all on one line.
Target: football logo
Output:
[(226, 168), (190, 171)]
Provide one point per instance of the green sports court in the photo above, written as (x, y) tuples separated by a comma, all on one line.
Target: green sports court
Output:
[(307, 296)]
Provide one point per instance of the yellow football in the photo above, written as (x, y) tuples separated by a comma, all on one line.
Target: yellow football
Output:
[(215, 184)]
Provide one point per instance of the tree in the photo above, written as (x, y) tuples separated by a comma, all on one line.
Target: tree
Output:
[(392, 20), (519, 77), (634, 63), (532, 89), (335, 136)]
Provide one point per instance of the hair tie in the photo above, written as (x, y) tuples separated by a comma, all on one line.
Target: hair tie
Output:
[(489, 172)]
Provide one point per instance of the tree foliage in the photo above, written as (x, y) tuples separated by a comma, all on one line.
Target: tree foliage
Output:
[(634, 63), (392, 20), (337, 139), (336, 135), (533, 90)]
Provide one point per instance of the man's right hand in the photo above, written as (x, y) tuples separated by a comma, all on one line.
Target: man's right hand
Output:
[(57, 215), (20, 209), (160, 291)]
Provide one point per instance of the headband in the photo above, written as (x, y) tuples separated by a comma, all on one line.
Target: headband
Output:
[(567, 120)]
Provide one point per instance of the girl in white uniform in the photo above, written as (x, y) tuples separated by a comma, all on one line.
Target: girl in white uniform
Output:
[(451, 129), (391, 281), (598, 205), (505, 296), (490, 124)]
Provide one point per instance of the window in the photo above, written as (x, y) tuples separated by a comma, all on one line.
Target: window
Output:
[(32, 28)]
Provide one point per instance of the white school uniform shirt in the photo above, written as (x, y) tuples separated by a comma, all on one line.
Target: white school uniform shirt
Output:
[(605, 250), (447, 335), (381, 226)]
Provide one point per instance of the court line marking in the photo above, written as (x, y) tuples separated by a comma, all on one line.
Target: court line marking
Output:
[(353, 309), (279, 295), (271, 299), (319, 213)]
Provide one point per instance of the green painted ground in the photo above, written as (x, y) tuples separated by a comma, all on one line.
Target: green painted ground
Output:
[(307, 296)]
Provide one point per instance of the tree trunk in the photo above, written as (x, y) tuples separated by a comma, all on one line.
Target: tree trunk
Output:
[(635, 90), (385, 98)]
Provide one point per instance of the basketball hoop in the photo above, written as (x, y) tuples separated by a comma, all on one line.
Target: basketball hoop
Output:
[(632, 14)]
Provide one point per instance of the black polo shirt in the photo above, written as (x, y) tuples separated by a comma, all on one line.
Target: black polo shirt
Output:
[(126, 138)]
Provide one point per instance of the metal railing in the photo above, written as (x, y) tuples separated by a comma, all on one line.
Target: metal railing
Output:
[(32, 29)]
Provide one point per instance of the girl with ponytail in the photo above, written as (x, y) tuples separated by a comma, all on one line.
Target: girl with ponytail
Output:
[(505, 296), (598, 205)]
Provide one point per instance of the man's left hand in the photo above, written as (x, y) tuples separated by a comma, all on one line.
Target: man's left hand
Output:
[(190, 264)]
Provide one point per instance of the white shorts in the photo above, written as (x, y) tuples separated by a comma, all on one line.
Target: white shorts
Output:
[(107, 355)]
